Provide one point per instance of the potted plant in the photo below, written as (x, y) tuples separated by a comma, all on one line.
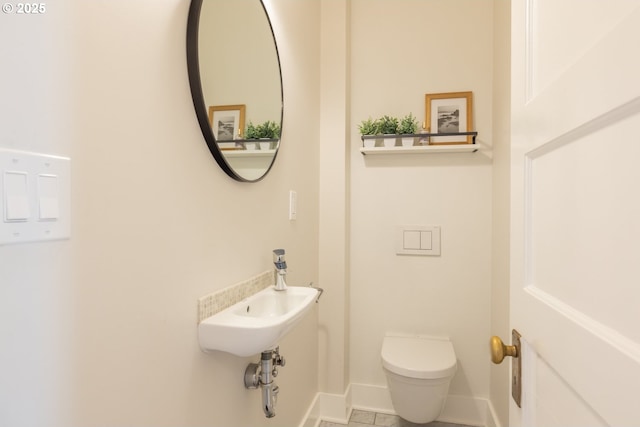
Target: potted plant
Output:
[(389, 126), (250, 133), (266, 130), (369, 127), (408, 126), (270, 130)]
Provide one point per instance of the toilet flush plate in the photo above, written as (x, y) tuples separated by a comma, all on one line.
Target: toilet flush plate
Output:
[(418, 240)]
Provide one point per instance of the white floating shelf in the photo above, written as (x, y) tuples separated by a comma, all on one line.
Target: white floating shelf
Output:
[(425, 149), (249, 153)]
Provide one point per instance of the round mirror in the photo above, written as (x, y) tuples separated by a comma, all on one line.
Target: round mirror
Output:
[(236, 84)]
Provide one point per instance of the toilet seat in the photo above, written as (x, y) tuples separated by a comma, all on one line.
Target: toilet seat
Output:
[(418, 357)]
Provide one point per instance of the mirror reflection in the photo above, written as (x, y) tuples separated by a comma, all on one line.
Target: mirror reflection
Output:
[(239, 73)]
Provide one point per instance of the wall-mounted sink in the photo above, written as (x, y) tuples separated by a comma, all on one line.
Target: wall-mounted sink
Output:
[(257, 323)]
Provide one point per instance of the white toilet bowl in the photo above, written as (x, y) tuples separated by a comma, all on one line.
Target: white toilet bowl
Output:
[(419, 371)]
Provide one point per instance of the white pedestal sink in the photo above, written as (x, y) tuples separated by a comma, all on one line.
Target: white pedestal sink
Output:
[(257, 323)]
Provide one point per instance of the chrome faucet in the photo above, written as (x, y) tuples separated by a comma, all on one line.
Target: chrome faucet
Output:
[(281, 269)]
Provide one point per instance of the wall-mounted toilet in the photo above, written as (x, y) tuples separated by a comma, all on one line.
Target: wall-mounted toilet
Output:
[(419, 371)]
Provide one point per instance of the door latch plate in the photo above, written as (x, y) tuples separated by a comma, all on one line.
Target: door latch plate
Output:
[(516, 369)]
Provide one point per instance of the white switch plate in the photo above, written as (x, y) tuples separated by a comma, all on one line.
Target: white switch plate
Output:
[(293, 205), (418, 240), (43, 211)]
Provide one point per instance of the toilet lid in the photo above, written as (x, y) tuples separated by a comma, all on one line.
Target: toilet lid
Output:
[(417, 357)]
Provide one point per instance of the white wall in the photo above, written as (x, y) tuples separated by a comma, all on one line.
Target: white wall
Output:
[(500, 379), (334, 260), (36, 293), (101, 329), (402, 50)]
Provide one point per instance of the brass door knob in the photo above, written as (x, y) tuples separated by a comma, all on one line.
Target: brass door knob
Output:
[(499, 351)]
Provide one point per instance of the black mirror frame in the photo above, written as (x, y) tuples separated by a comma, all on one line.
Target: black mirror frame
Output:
[(193, 68)]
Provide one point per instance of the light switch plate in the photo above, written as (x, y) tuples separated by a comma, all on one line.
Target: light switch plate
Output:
[(293, 205), (418, 240), (43, 210)]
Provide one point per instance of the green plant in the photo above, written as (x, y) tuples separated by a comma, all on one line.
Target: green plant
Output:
[(268, 129), (251, 132), (368, 127), (388, 125), (408, 125), (271, 129)]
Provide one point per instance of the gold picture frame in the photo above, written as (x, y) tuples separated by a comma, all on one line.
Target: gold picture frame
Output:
[(227, 121), (449, 113)]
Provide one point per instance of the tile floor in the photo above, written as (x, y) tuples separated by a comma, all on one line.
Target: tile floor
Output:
[(372, 419)]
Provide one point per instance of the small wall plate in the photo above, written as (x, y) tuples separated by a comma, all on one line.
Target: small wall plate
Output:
[(418, 240)]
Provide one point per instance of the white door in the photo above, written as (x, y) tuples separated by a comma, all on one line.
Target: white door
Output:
[(575, 254)]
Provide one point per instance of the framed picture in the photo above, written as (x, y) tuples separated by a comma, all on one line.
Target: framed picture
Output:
[(227, 121), (449, 113)]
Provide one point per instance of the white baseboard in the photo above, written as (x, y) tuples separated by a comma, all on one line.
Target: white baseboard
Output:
[(492, 416), (337, 408)]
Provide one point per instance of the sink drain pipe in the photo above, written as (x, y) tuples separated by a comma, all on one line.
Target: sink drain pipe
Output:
[(262, 375)]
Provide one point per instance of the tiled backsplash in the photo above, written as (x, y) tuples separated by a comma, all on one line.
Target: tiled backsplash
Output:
[(209, 305)]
